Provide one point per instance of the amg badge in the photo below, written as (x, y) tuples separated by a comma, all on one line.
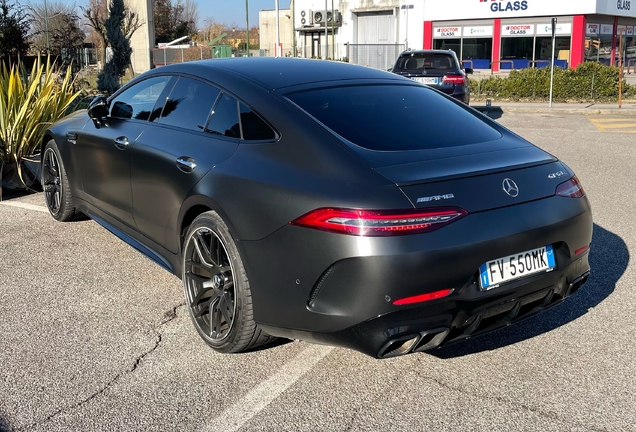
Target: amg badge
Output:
[(435, 198)]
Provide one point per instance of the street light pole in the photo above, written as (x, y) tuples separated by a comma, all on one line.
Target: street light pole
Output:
[(333, 32), (293, 18), (277, 51), (46, 25), (326, 33), (247, 27)]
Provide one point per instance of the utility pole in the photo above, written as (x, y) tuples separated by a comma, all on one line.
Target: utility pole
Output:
[(620, 67), (326, 33), (277, 51), (554, 24), (293, 18), (247, 27), (46, 26)]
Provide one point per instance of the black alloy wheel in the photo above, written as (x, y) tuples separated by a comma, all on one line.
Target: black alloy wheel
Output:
[(216, 288), (57, 192), (209, 283), (51, 181)]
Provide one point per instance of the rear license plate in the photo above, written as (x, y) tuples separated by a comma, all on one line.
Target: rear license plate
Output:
[(425, 80), (502, 270)]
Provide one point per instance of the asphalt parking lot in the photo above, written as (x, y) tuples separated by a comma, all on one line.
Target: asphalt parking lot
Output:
[(93, 336)]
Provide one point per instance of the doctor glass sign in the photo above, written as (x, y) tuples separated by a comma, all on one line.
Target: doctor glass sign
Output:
[(507, 6)]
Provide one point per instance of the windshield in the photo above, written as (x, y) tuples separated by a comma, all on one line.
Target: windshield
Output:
[(394, 117)]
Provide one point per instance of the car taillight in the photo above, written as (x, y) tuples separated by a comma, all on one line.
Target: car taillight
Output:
[(454, 79), (379, 222), (570, 189)]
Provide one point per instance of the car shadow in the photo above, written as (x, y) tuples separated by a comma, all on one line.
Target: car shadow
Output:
[(609, 258), (494, 112), (4, 424)]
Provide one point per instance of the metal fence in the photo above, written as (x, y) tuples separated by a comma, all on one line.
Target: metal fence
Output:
[(166, 56), (374, 55)]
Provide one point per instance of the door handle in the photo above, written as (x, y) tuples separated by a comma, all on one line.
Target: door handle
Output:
[(186, 164), (121, 142)]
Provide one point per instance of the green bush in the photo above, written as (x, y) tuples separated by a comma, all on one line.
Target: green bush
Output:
[(588, 82)]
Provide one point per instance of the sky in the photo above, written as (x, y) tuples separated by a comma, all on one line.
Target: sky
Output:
[(224, 11), (233, 11)]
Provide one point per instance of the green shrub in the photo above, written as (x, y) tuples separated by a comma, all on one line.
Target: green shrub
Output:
[(29, 104), (588, 82)]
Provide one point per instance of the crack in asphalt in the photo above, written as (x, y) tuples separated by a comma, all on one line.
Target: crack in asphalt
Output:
[(169, 316), (546, 414)]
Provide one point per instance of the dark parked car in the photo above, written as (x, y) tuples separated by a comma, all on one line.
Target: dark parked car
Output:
[(439, 69), (323, 201)]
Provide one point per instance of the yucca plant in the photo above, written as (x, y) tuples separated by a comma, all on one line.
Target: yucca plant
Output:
[(29, 103)]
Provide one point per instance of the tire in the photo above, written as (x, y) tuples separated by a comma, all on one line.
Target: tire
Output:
[(217, 292), (57, 191)]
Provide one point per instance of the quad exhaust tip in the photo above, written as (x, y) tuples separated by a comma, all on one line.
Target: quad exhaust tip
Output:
[(577, 283), (416, 342)]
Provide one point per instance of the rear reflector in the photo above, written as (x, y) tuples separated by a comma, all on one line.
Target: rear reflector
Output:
[(379, 222), (423, 297), (581, 250), (454, 79), (570, 189)]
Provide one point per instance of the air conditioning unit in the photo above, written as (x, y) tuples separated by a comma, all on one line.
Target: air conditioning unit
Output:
[(306, 17), (319, 17)]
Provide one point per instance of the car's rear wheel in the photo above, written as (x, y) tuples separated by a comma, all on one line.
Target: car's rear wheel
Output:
[(217, 292), (57, 191)]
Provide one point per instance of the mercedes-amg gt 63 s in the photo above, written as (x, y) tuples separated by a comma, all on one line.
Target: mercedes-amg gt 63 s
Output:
[(323, 201)]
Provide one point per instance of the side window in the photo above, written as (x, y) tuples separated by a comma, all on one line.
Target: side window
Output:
[(225, 120), (189, 105), (254, 128), (138, 101)]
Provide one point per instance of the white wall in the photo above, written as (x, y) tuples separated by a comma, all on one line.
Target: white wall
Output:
[(267, 31), (347, 32)]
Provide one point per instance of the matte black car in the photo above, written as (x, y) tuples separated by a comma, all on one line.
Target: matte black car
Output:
[(439, 69), (323, 201)]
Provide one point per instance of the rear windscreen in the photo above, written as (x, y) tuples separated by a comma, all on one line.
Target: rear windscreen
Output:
[(394, 117), (425, 63)]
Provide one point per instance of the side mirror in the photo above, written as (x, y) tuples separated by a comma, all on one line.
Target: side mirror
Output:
[(98, 108), (469, 71)]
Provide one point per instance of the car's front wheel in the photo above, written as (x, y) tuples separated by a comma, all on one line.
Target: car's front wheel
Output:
[(217, 292), (57, 191)]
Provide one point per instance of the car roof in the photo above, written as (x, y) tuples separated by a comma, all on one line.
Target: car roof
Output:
[(275, 73)]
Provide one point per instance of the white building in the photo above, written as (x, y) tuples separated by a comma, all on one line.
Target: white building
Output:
[(370, 32)]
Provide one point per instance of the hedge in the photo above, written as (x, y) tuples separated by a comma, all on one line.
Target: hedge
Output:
[(588, 82)]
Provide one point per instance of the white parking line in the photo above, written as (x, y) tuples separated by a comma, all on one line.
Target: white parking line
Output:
[(25, 206), (256, 400)]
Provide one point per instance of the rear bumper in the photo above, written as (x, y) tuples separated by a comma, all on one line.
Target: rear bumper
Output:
[(340, 289), (445, 322)]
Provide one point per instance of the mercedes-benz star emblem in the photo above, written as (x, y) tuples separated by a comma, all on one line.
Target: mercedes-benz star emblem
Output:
[(510, 187)]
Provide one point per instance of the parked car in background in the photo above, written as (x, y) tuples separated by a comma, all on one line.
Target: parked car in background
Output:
[(439, 69), (324, 201)]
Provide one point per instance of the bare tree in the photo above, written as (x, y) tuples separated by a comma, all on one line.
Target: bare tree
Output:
[(55, 28), (191, 15)]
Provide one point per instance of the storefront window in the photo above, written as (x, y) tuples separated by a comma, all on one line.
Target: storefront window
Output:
[(517, 49), (598, 43), (629, 45), (478, 51), (448, 44), (543, 51)]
